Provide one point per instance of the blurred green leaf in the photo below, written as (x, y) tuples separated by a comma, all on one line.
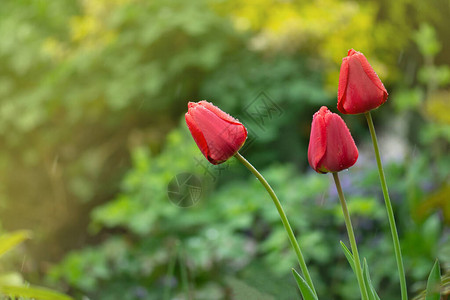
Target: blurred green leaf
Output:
[(426, 40), (434, 283), (363, 206), (408, 99), (305, 289), (241, 290), (12, 278), (33, 292)]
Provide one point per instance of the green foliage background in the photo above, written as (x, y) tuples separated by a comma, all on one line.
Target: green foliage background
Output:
[(92, 97)]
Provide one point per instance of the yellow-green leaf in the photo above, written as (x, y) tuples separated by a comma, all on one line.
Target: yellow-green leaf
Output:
[(35, 292), (10, 240)]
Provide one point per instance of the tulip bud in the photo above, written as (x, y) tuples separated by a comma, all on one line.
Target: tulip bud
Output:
[(331, 146), (218, 135), (360, 89)]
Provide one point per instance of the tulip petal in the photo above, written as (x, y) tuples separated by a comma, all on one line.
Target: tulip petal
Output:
[(361, 93), (317, 142), (341, 149), (236, 131), (331, 146), (197, 134), (343, 78), (351, 52), (218, 135), (370, 72), (220, 113), (360, 89), (222, 137)]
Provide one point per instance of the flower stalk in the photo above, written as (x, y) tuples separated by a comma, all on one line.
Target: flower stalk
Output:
[(351, 237), (284, 219), (390, 212)]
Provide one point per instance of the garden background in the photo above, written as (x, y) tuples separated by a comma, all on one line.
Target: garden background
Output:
[(92, 101)]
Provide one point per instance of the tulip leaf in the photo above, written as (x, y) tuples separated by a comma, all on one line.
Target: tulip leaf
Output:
[(305, 289), (370, 289), (32, 292), (349, 256), (434, 283), (368, 282), (10, 240)]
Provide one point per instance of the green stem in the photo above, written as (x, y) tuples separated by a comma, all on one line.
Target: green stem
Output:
[(351, 237), (284, 220), (170, 272), (390, 212), (184, 275)]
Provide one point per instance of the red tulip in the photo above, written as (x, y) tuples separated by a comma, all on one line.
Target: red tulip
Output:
[(331, 146), (218, 135), (360, 89)]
